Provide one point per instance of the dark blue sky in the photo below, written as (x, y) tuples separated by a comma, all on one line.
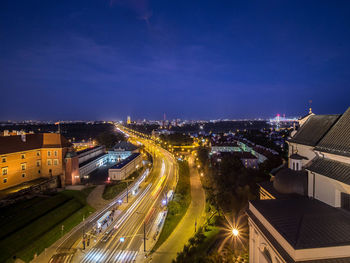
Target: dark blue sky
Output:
[(105, 59)]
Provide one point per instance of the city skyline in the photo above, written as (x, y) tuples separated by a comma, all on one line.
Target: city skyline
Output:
[(190, 60)]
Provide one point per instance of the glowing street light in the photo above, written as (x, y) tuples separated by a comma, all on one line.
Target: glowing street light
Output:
[(235, 232)]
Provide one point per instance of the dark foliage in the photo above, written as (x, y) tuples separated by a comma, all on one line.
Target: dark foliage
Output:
[(109, 139)]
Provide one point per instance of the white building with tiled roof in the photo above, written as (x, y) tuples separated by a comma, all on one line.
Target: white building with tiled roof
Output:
[(305, 214)]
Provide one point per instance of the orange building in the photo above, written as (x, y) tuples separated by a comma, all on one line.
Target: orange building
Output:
[(27, 157)]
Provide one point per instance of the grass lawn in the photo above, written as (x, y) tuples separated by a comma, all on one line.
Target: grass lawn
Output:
[(178, 206), (113, 189), (32, 225), (199, 246)]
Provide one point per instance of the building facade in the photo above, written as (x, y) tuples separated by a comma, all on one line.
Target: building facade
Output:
[(28, 157), (121, 151), (304, 212), (123, 169)]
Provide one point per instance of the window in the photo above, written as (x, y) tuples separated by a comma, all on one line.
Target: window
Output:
[(55, 153), (23, 166), (38, 153), (48, 153), (23, 156), (4, 171), (297, 166), (23, 175), (5, 180), (38, 171), (49, 162), (267, 255), (38, 163), (3, 159), (345, 201), (55, 162)]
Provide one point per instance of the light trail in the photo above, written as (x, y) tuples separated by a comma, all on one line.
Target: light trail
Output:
[(91, 255)]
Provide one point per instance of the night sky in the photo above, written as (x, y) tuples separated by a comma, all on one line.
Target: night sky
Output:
[(106, 59)]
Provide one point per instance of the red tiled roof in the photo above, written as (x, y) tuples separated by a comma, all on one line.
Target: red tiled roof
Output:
[(12, 144)]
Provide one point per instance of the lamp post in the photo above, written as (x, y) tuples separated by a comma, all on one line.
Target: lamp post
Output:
[(127, 188), (144, 231)]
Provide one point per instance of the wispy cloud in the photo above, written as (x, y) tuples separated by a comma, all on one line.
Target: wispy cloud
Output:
[(140, 7)]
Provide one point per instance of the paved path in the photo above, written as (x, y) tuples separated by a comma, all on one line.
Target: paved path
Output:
[(95, 198), (185, 229)]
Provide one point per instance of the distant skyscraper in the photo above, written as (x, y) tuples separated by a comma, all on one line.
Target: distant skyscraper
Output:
[(128, 121)]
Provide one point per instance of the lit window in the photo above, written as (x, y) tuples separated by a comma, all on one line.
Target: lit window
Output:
[(55, 162), (48, 153), (5, 180), (3, 159), (23, 156), (4, 171), (23, 166), (23, 175), (49, 162)]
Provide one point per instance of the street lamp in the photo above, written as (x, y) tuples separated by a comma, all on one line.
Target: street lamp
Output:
[(235, 232), (144, 231)]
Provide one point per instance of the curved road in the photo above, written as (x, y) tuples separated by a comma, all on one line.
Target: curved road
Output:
[(186, 228)]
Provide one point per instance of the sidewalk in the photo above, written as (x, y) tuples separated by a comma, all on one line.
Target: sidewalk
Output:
[(185, 229), (95, 198)]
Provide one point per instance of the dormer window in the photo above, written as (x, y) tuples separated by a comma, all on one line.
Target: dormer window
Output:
[(295, 162)]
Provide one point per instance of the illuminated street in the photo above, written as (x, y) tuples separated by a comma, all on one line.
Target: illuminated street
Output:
[(123, 240)]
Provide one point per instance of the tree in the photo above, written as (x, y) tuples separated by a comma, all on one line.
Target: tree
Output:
[(203, 155), (109, 139)]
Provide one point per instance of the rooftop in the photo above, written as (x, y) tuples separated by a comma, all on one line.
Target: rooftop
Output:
[(88, 149), (125, 161), (12, 144), (333, 169), (305, 223), (337, 140), (314, 129)]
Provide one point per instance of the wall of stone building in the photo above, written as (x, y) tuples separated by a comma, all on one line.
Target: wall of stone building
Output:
[(303, 150), (15, 174), (93, 165), (72, 175), (327, 190), (36, 164), (258, 245), (120, 174), (91, 154), (51, 162)]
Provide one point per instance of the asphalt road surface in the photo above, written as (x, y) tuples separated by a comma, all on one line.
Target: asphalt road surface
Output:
[(123, 239)]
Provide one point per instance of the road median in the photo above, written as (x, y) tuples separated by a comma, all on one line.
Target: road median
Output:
[(178, 206)]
